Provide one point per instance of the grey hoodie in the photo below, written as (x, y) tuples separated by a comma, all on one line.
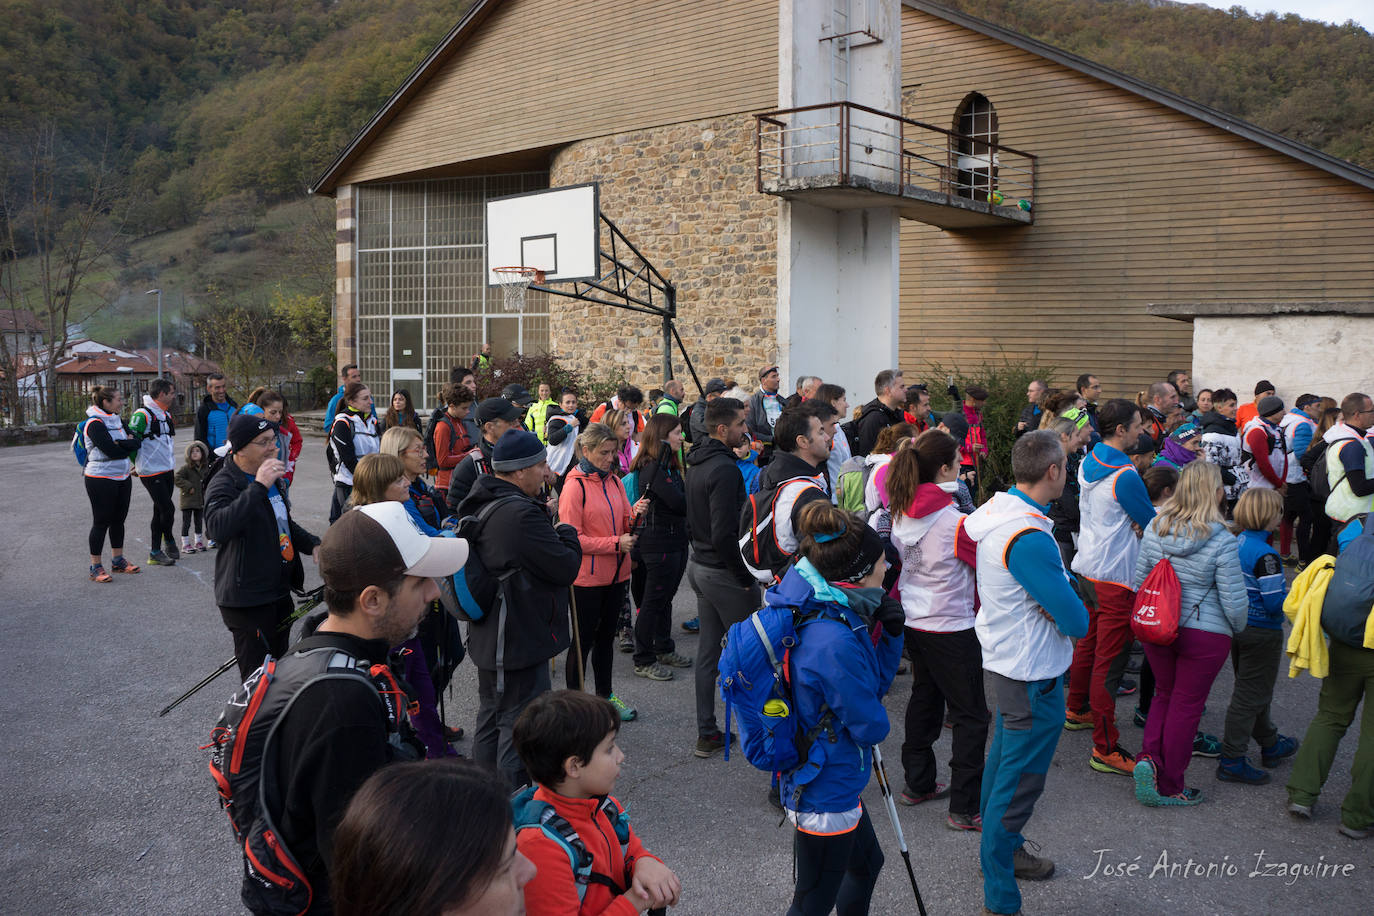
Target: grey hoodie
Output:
[(1208, 570)]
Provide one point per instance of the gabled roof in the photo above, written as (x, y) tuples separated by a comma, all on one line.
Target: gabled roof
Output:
[(14, 320), (1277, 142), (412, 84)]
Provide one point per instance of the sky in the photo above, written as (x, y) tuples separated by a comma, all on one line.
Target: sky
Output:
[(1337, 11)]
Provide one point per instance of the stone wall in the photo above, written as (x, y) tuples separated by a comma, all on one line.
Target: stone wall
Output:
[(685, 195)]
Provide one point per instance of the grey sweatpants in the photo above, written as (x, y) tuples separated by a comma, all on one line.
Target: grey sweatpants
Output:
[(496, 715), (721, 602)]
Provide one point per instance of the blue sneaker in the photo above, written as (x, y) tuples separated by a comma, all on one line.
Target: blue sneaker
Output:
[(1146, 788), (1238, 769), (693, 625), (1282, 747)]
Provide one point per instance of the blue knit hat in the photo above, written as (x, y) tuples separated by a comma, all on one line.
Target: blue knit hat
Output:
[(517, 450)]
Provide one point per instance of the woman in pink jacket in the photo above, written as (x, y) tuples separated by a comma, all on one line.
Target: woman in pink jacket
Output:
[(593, 501)]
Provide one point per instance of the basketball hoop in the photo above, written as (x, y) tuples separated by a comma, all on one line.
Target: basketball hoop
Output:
[(514, 283)]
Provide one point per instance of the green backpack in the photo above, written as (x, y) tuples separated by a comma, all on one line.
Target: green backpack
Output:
[(852, 485)]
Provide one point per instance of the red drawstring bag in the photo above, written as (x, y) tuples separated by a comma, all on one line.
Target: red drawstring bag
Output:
[(1155, 615)]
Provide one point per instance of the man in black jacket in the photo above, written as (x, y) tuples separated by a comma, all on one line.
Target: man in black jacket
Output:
[(512, 644), (494, 416), (726, 592), (259, 544), (797, 471), (883, 411), (379, 573)]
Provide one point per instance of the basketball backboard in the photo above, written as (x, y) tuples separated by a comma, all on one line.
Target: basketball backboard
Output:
[(555, 231)]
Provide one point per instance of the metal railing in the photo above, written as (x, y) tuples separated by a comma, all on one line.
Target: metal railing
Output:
[(848, 143)]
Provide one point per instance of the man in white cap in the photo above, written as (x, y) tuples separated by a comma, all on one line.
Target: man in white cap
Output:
[(333, 708)]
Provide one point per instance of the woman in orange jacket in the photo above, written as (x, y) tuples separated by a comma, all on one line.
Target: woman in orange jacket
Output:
[(594, 502)]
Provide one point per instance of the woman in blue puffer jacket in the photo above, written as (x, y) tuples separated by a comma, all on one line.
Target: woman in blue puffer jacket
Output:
[(1190, 531), (841, 667)]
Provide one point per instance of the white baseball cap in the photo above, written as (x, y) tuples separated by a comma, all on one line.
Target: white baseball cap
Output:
[(354, 553)]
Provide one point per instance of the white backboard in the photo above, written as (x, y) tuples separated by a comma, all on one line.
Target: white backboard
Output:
[(554, 231)]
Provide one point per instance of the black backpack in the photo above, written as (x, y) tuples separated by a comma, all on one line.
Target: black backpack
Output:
[(244, 766), (1313, 464), (440, 415), (758, 536)]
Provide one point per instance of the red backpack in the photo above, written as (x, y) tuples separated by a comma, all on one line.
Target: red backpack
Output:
[(1158, 602)]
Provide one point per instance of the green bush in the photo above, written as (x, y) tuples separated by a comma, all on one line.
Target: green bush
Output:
[(1006, 384), (531, 370)]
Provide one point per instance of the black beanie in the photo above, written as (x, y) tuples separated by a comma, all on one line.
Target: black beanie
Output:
[(865, 558)]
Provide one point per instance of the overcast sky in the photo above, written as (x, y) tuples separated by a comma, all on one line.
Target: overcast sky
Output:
[(1337, 11)]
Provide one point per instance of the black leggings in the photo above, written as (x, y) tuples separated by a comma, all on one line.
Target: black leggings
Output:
[(654, 625), (187, 515), (109, 507), (160, 487), (598, 610), (836, 872)]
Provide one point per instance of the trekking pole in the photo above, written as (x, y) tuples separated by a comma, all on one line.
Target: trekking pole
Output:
[(312, 600), (577, 636), (881, 772)]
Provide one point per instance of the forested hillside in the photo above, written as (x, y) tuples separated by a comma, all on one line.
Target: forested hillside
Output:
[(176, 138)]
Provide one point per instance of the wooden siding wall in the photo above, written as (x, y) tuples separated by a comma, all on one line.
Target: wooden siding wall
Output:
[(1135, 203), (539, 73)]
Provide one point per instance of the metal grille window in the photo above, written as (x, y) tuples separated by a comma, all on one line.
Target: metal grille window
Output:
[(975, 159), (421, 247)]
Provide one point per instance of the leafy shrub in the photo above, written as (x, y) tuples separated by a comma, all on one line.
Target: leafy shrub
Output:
[(531, 370), (1006, 383)]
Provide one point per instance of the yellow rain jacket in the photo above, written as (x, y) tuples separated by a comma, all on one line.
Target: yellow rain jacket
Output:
[(1303, 608)]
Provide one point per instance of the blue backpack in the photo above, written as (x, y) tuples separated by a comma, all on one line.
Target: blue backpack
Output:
[(470, 591), (79, 442), (529, 813), (755, 684)]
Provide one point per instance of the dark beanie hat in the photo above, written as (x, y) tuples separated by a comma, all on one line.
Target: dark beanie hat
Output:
[(957, 424), (517, 450), (863, 561), (1264, 385), (1269, 405), (244, 428)]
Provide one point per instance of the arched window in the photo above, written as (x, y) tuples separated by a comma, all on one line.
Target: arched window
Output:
[(975, 163)]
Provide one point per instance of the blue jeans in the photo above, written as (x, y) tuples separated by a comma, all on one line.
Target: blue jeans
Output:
[(1030, 716)]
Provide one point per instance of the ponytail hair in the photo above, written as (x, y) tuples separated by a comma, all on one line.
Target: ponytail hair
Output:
[(829, 537), (918, 463), (101, 394)]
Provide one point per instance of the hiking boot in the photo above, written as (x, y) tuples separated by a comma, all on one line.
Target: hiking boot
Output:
[(1186, 798), (171, 550), (692, 626), (972, 822), (158, 558), (1138, 719), (909, 797), (711, 745), (98, 574), (1029, 867), (1282, 747), (1118, 760), (1303, 812), (1356, 833), (627, 641), (673, 660), (1146, 782), (121, 565), (1077, 721), (1205, 745), (1238, 769), (627, 713), (654, 672)]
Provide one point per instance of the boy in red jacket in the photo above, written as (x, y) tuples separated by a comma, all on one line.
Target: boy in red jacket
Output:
[(566, 740)]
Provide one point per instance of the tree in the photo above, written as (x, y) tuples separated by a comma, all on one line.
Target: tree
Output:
[(60, 218)]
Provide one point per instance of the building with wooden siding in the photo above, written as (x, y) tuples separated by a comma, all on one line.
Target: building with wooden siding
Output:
[(1140, 198)]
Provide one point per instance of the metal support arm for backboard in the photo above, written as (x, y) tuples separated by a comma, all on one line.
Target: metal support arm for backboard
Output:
[(627, 280)]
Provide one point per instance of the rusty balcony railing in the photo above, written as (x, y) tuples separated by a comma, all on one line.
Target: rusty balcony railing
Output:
[(847, 145)]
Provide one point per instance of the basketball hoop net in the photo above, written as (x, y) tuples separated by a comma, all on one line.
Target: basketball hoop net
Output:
[(515, 281)]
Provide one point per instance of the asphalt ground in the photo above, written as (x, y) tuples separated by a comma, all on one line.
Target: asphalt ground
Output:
[(106, 808)]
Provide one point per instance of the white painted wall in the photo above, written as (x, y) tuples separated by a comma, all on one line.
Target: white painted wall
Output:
[(1329, 355)]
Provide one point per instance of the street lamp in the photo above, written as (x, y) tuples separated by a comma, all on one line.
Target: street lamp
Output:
[(159, 328)]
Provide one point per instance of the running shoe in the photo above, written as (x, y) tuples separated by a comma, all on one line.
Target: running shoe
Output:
[(654, 672), (673, 660), (967, 822), (121, 565), (1282, 747), (98, 574), (1187, 797), (158, 558), (692, 626), (1146, 784), (1205, 745), (908, 797), (171, 550), (627, 713), (1077, 721), (1118, 761)]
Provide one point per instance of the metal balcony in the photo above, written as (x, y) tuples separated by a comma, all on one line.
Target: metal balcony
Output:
[(846, 156)]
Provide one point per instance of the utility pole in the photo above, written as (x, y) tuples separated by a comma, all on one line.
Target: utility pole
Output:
[(159, 328)]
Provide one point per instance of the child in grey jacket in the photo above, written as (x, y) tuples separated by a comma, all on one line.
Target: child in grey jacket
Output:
[(190, 480)]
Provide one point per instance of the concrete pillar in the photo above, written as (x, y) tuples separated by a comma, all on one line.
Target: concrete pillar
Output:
[(346, 274), (839, 271)]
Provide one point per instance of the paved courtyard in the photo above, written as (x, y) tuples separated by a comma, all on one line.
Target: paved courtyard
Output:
[(107, 809)]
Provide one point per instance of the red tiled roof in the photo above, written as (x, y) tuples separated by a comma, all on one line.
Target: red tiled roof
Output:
[(19, 320)]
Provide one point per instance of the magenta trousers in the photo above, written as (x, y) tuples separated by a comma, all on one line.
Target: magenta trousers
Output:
[(1184, 673)]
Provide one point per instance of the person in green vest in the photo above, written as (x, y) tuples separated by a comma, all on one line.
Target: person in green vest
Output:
[(482, 360), (537, 417)]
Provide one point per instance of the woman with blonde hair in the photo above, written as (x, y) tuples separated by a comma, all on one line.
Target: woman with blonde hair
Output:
[(1190, 532), (427, 509), (382, 478), (622, 425)]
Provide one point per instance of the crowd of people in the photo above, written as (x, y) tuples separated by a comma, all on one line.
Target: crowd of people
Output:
[(561, 535)]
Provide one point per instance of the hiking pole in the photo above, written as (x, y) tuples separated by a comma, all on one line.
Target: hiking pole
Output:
[(881, 772), (577, 636), (312, 600)]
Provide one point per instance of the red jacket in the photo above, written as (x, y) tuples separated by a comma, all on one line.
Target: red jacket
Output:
[(553, 892), (600, 511), (288, 425), (447, 456)]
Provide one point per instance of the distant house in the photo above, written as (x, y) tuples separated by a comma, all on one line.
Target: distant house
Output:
[(87, 364), (22, 330), (1141, 207)]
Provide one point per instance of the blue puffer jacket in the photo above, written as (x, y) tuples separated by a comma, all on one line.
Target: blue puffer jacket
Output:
[(1265, 585), (1208, 571), (836, 664)]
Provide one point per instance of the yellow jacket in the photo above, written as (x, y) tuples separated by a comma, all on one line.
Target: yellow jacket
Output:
[(1303, 608)]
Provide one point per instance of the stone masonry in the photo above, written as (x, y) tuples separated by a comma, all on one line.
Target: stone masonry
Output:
[(685, 195)]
